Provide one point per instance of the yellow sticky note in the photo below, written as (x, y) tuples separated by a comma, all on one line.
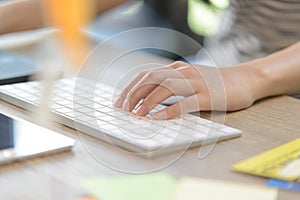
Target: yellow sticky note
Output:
[(282, 163), (195, 189)]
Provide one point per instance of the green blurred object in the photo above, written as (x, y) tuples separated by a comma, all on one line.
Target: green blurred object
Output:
[(132, 187), (204, 16), (221, 4)]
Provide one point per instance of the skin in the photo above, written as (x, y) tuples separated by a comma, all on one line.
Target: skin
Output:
[(29, 16), (239, 86), (30, 13)]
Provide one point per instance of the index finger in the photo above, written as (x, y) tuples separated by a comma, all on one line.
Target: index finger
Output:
[(137, 78), (133, 82)]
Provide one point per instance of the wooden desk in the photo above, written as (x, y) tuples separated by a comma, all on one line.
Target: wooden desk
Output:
[(266, 125)]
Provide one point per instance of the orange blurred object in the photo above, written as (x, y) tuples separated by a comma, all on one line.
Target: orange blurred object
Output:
[(70, 16)]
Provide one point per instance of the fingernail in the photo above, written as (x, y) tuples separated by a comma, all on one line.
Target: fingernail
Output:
[(160, 115), (118, 103), (125, 106), (141, 111)]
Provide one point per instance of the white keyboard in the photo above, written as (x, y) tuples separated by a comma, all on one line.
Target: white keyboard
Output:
[(81, 105)]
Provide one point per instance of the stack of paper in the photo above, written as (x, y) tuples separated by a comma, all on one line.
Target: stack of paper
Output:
[(195, 189)]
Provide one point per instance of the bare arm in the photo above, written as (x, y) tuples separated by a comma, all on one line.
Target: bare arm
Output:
[(281, 71), (239, 88), (22, 15)]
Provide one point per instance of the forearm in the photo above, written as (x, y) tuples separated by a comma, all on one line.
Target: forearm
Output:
[(20, 15), (278, 73)]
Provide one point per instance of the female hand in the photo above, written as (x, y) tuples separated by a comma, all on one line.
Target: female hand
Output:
[(204, 88)]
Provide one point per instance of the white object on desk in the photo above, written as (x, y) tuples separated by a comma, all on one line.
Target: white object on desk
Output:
[(21, 139), (24, 38), (195, 189), (90, 110)]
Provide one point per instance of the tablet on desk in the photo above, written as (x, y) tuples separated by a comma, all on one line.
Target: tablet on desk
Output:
[(15, 68), (20, 139)]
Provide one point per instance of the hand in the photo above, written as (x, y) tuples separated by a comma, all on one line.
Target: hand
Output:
[(204, 88)]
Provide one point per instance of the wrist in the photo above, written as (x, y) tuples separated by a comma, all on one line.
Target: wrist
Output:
[(260, 81)]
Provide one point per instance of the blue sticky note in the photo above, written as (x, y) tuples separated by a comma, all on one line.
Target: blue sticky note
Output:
[(283, 184)]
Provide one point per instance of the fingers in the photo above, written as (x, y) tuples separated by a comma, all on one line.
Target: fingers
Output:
[(177, 64), (139, 76), (154, 86), (169, 87), (179, 78), (133, 82), (190, 104), (136, 79), (146, 85)]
